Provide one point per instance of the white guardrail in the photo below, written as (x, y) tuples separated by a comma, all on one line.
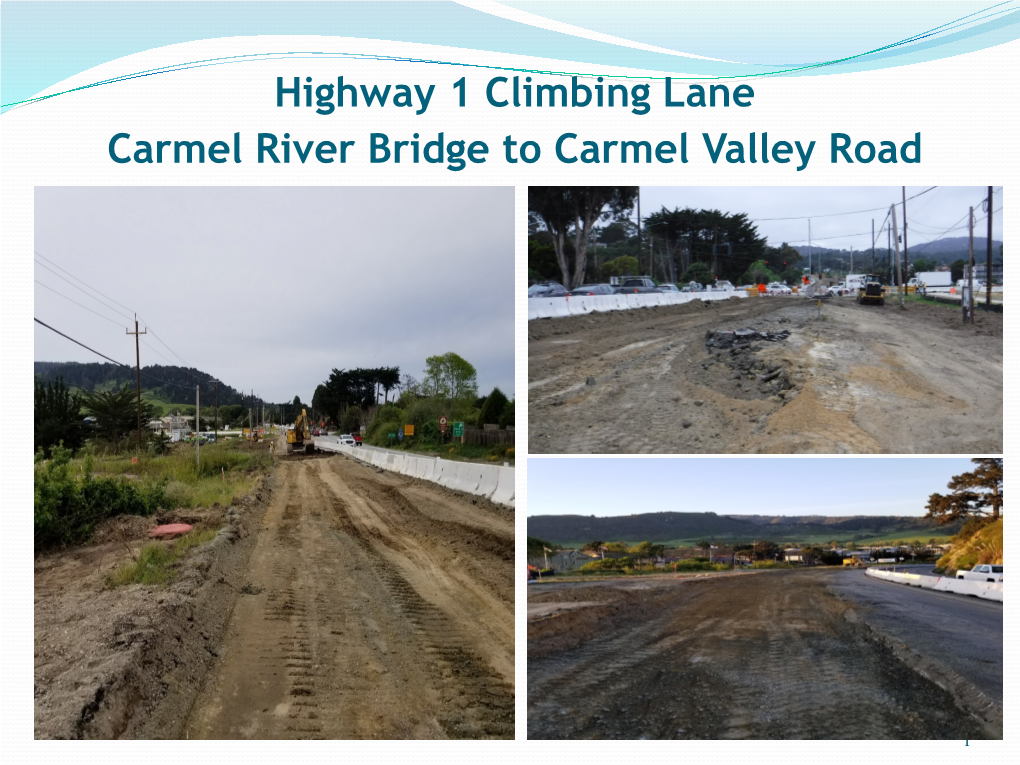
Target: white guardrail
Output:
[(494, 482), (984, 590), (551, 308)]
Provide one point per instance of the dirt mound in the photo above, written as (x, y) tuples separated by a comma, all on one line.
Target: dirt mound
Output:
[(127, 661), (861, 379)]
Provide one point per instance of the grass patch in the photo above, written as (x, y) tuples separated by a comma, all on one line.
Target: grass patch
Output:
[(227, 469), (155, 562), (773, 564), (72, 496)]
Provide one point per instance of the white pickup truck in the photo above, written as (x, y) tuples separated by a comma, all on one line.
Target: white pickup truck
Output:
[(984, 573)]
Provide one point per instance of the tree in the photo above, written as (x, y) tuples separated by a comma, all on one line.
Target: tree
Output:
[(758, 273), (616, 547), (493, 408), (506, 419), (705, 545), (621, 266), (57, 417), (450, 377), (116, 412), (976, 494), (700, 273), (576, 208), (956, 269)]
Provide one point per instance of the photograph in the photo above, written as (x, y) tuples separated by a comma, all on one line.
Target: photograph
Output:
[(274, 463), (787, 598), (765, 320)]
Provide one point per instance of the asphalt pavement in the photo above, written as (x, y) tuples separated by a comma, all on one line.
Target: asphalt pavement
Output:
[(962, 632)]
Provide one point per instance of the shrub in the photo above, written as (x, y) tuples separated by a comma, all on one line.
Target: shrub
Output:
[(69, 503)]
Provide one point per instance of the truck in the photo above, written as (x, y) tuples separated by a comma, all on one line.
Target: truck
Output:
[(986, 572), (936, 280), (637, 284)]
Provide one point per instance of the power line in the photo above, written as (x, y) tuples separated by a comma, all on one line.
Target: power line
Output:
[(77, 303), (850, 212), (82, 291), (76, 342), (103, 355), (147, 326), (82, 281)]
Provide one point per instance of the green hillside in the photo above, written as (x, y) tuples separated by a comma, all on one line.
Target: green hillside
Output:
[(688, 529), (983, 547)]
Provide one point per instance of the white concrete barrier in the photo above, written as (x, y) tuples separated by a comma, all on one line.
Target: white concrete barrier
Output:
[(504, 494), (494, 482), (983, 590), (553, 308)]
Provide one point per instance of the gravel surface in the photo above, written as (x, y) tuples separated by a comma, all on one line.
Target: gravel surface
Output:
[(770, 656), (863, 379)]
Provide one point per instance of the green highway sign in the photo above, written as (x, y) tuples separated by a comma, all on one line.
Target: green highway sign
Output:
[(458, 429)]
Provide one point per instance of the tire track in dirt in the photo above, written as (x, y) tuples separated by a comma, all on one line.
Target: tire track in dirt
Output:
[(764, 657), (480, 703), (331, 640)]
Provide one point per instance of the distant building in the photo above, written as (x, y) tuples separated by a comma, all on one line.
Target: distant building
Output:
[(563, 560)]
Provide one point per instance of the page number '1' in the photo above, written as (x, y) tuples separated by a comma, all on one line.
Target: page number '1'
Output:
[(459, 85)]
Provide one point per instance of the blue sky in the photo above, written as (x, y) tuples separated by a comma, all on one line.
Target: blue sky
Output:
[(735, 485)]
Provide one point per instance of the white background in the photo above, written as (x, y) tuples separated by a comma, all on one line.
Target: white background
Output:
[(964, 108)]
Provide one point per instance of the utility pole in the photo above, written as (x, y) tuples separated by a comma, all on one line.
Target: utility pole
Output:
[(216, 412), (969, 308), (809, 269), (888, 250), (138, 371), (906, 256), (899, 270), (638, 233), (988, 266), (851, 258), (198, 422), (872, 245)]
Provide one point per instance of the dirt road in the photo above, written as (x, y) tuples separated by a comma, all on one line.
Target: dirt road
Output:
[(864, 379), (378, 607), (773, 655)]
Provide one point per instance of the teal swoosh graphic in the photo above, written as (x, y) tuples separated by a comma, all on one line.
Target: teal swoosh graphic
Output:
[(44, 43)]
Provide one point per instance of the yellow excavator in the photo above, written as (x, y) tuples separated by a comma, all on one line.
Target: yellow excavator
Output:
[(300, 439)]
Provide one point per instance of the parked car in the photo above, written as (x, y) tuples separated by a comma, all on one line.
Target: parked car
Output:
[(637, 284), (723, 284), (838, 289), (346, 440), (669, 288), (984, 573), (775, 288), (693, 287), (593, 289), (546, 290), (357, 438)]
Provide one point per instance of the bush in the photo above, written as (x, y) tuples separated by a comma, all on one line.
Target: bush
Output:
[(69, 503), (608, 564), (772, 564), (493, 408)]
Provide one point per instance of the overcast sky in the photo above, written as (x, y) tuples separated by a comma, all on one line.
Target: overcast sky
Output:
[(270, 288), (738, 485), (928, 216)]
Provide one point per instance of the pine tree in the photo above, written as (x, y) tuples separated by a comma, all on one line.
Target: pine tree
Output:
[(976, 494)]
